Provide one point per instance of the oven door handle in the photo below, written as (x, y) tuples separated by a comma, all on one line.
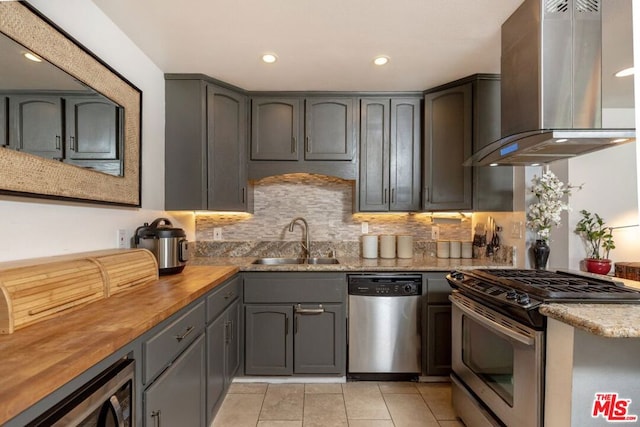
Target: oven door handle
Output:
[(495, 326)]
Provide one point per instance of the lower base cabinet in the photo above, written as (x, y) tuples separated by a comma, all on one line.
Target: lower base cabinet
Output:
[(176, 398), (436, 338)]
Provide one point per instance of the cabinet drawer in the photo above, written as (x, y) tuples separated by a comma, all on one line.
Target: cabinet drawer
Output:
[(222, 297), (161, 349), (295, 287)]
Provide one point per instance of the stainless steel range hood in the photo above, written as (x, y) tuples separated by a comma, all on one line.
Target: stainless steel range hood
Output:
[(552, 83)]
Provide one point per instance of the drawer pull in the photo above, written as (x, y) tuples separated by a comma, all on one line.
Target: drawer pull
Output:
[(229, 295), (184, 335), (156, 416), (300, 310)]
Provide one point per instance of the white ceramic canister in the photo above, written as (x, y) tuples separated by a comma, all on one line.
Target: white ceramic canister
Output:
[(405, 246), (369, 246), (387, 246), (467, 250), (442, 249), (455, 248)]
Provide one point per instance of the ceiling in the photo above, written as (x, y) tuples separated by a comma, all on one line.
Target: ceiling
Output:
[(321, 45)]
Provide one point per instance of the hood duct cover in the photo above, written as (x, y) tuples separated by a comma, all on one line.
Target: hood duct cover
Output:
[(551, 84)]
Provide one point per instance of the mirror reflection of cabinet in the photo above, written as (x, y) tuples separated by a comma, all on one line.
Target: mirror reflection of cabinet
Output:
[(92, 125), (4, 106), (35, 125)]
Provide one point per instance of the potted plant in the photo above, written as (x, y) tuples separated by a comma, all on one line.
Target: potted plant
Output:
[(598, 241)]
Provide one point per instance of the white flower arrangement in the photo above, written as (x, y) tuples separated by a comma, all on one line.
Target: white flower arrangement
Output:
[(545, 213)]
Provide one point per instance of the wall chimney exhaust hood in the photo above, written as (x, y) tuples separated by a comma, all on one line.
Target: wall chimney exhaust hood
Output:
[(553, 85)]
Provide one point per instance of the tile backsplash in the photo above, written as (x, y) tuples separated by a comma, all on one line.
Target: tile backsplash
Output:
[(327, 205)]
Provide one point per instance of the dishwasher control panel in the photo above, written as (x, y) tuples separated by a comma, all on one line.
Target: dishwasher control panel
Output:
[(385, 285)]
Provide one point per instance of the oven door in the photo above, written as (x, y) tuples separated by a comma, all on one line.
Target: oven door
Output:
[(499, 361)]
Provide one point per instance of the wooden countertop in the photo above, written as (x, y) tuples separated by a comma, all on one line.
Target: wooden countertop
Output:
[(37, 360)]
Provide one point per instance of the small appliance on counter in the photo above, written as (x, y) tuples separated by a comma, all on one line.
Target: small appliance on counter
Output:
[(168, 244)]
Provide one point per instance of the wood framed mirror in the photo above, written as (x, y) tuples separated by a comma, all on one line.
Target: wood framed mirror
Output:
[(109, 175)]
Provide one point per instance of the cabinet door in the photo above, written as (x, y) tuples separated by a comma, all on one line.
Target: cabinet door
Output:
[(36, 125), (4, 117), (176, 398), (232, 341), (319, 339), (268, 340), (226, 150), (92, 125), (405, 155), (329, 131), (215, 364), (439, 339), (448, 132), (275, 128), (374, 155)]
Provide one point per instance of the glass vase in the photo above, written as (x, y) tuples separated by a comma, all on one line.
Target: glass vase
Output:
[(541, 253)]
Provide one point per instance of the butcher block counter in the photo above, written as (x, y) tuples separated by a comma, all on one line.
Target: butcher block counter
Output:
[(40, 358)]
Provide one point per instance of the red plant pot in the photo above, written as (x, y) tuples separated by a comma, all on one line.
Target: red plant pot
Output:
[(598, 266)]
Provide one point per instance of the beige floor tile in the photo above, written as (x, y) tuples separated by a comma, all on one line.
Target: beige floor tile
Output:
[(451, 424), (438, 398), (364, 401), (248, 388), (409, 410), (323, 388), (398, 387), (370, 423), (322, 409), (239, 410), (281, 424), (283, 402)]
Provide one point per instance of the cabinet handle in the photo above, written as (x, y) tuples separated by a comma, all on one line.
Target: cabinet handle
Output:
[(295, 326), (308, 144), (385, 196), (300, 310), (57, 142), (426, 194), (156, 417), (393, 195), (184, 335), (294, 144), (72, 141), (243, 190), (227, 334), (229, 295)]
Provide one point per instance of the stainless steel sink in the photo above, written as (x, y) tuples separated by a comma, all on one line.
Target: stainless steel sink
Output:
[(284, 261)]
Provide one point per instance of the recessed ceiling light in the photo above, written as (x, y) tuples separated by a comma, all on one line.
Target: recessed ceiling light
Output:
[(493, 164), (381, 60), (535, 164), (616, 141), (30, 56), (269, 58), (562, 140), (626, 72)]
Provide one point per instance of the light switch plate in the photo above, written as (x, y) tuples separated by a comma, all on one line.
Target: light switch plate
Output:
[(365, 227), (435, 232), (217, 233)]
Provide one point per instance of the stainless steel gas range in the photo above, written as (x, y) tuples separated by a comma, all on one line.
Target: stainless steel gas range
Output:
[(498, 338)]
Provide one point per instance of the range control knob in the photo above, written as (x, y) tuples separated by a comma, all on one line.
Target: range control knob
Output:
[(408, 289), (523, 299), (512, 294), (457, 275)]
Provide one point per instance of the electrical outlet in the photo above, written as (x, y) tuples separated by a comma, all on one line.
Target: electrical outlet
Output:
[(435, 232), (217, 233), (122, 239), (365, 227), (516, 229)]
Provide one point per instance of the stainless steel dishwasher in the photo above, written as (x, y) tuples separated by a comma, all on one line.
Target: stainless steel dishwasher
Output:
[(384, 326)]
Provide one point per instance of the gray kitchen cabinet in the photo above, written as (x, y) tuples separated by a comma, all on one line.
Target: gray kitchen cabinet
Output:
[(177, 397), (330, 128), (437, 324), (276, 129), (295, 323), (35, 125), (92, 128), (460, 118), (205, 147), (389, 154), (4, 117)]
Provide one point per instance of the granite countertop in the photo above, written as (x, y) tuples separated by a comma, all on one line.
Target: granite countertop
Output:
[(357, 264), (605, 320), (38, 359)]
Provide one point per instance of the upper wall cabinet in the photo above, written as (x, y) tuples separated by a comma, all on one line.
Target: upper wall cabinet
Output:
[(92, 125), (205, 148), (389, 155), (36, 125), (462, 117), (292, 134), (4, 105)]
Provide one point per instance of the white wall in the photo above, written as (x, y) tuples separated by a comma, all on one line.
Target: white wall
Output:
[(33, 227)]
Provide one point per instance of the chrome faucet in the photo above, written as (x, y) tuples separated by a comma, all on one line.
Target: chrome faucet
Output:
[(306, 245)]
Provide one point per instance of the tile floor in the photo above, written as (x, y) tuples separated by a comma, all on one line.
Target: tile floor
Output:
[(353, 404)]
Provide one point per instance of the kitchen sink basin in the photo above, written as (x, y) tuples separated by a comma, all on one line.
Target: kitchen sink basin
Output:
[(285, 261)]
